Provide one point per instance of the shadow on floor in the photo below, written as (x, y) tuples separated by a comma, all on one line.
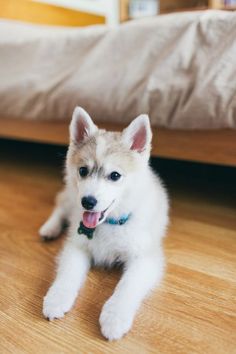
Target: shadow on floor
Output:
[(195, 178)]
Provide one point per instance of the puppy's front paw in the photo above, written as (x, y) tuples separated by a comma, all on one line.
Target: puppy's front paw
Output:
[(56, 303), (115, 320), (50, 230)]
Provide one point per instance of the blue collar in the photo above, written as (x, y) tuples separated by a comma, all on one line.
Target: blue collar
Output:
[(111, 221), (121, 221)]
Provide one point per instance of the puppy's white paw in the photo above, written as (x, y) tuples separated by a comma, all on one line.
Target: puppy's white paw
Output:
[(115, 320), (50, 229), (56, 303)]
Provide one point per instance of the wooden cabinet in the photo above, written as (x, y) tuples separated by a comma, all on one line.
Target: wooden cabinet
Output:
[(89, 12)]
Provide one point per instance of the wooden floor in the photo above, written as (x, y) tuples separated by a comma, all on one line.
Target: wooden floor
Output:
[(194, 311)]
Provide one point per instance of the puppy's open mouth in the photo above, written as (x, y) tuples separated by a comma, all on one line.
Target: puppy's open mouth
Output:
[(91, 218)]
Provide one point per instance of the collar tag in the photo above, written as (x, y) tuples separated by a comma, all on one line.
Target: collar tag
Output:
[(86, 231)]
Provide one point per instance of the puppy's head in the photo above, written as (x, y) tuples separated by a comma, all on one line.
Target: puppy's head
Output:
[(101, 165)]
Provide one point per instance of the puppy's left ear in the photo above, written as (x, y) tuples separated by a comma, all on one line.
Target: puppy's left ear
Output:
[(138, 134)]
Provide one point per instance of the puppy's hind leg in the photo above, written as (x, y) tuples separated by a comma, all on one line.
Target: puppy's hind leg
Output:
[(53, 227)]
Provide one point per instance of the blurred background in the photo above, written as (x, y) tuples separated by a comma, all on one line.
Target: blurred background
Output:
[(102, 11), (173, 59)]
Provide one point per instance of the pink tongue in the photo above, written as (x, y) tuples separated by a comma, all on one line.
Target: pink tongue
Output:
[(90, 219)]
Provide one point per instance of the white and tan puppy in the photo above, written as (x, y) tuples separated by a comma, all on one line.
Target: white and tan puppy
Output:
[(117, 210)]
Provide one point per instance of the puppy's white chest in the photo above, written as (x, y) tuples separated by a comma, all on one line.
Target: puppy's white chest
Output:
[(111, 244)]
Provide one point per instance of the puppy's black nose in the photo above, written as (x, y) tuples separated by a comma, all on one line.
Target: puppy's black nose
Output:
[(88, 202)]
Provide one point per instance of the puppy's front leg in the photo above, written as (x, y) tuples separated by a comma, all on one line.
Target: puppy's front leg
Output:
[(139, 278), (74, 264)]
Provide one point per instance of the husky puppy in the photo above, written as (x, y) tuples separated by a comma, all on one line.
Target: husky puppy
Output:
[(117, 210)]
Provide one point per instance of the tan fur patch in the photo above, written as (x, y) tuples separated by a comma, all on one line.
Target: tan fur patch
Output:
[(103, 147)]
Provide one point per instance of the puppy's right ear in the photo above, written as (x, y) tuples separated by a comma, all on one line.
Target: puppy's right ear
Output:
[(81, 126)]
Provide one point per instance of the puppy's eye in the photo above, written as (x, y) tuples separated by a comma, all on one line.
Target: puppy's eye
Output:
[(114, 176), (83, 171)]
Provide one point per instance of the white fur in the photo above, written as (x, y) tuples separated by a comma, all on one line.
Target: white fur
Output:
[(138, 243)]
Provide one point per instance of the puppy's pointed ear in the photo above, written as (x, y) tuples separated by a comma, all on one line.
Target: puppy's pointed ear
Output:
[(138, 134), (81, 126)]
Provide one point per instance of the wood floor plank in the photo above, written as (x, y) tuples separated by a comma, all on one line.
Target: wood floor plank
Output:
[(194, 310)]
